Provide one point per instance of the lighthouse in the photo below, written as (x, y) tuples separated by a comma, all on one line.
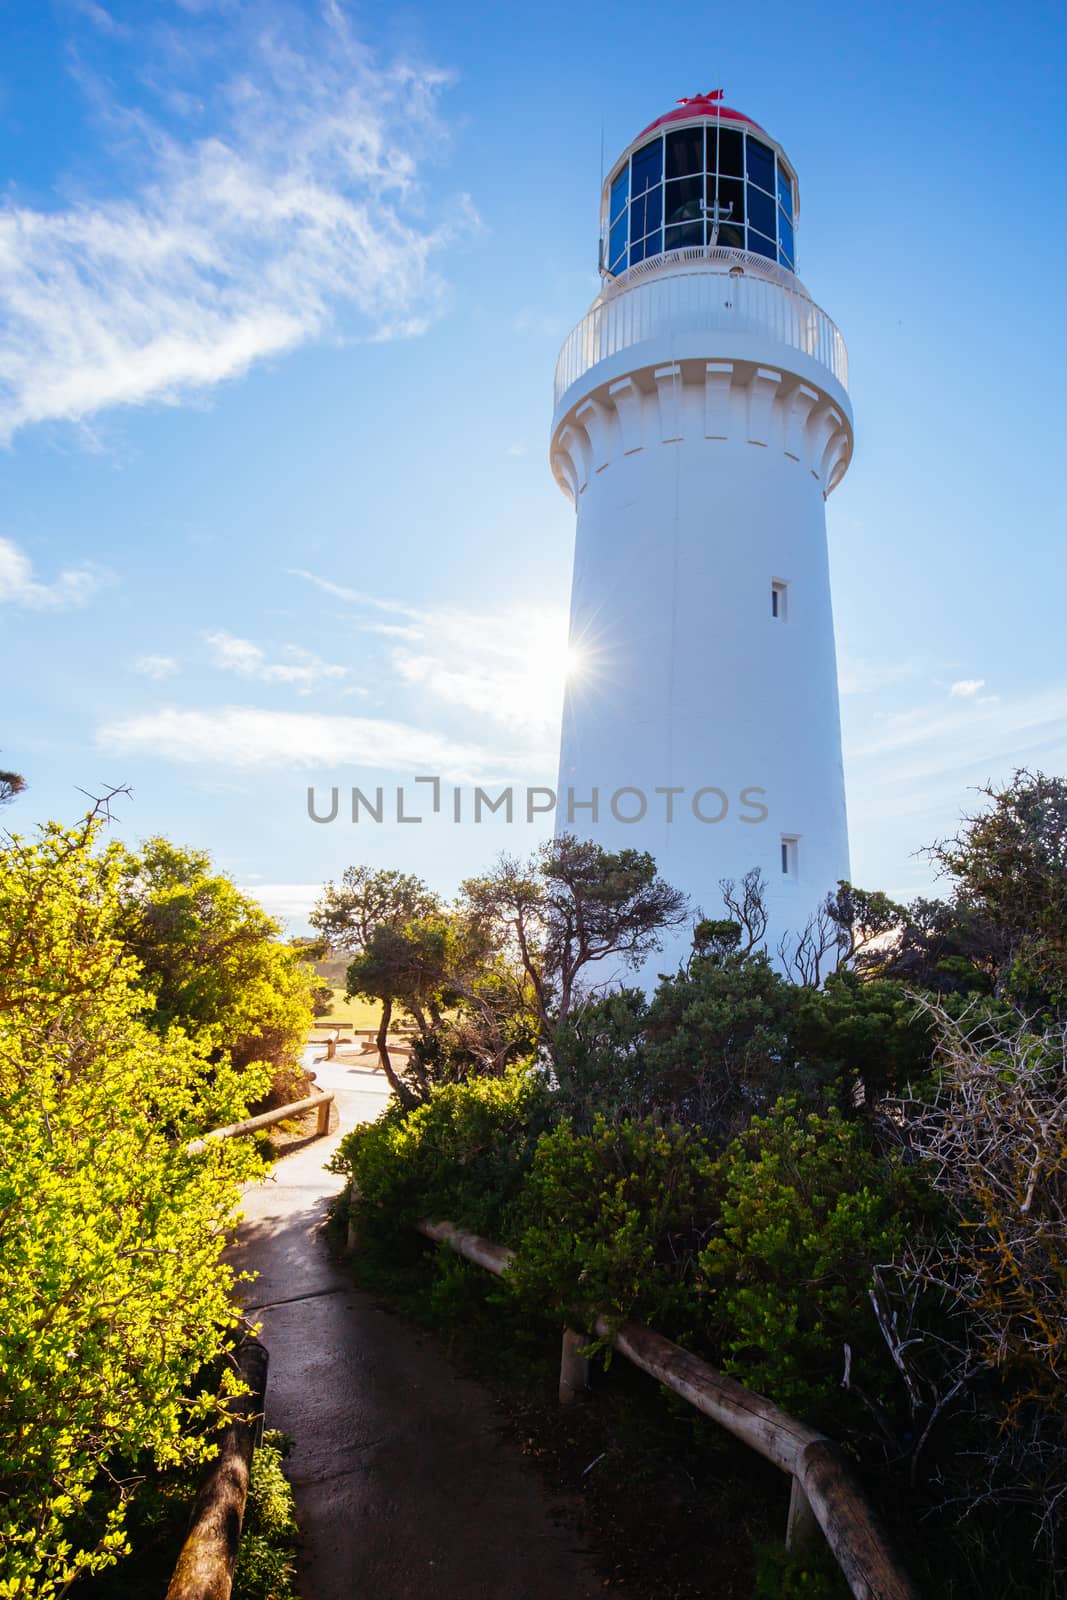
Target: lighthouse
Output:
[(701, 420)]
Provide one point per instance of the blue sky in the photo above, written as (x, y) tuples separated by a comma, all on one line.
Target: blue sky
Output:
[(281, 291)]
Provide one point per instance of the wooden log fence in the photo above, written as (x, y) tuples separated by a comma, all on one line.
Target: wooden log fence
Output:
[(824, 1492), (319, 1103), (209, 1555)]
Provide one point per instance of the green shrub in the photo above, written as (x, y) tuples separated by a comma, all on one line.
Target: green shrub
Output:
[(613, 1221), (460, 1156), (114, 1300), (807, 1209), (265, 1564)]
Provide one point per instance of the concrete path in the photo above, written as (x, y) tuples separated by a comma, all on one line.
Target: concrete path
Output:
[(407, 1486)]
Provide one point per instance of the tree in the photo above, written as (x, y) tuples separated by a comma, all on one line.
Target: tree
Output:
[(442, 972), (213, 961), (405, 967), (367, 898), (574, 905), (11, 784), (1008, 865), (113, 1294)]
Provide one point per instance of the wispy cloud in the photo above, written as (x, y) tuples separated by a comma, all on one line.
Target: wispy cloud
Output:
[(155, 666), (507, 667), (859, 675), (299, 210), (925, 758), (73, 586), (967, 688), (299, 668), (245, 736)]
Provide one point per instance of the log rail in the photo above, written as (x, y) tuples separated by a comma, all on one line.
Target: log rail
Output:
[(824, 1492), (320, 1102)]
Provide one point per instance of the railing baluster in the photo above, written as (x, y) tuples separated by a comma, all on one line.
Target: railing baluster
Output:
[(701, 299)]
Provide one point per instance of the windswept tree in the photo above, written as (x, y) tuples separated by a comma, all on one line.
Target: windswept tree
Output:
[(348, 913), (573, 906)]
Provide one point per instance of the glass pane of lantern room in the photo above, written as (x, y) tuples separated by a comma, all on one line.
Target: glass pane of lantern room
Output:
[(647, 167), (785, 239), (619, 191), (685, 200), (730, 236), (728, 143), (731, 199), (761, 211), (785, 192), (761, 246), (617, 246), (637, 218), (685, 152), (760, 165)]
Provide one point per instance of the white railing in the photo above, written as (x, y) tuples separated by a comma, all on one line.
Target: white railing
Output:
[(700, 301)]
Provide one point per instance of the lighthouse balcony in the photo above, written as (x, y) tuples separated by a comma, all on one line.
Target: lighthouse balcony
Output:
[(702, 303)]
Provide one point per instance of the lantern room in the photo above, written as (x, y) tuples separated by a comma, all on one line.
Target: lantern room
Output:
[(702, 177)]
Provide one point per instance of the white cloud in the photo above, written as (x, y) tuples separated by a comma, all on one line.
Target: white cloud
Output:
[(967, 688), (289, 902), (244, 736), (506, 666), (74, 586), (299, 668), (301, 209), (155, 666)]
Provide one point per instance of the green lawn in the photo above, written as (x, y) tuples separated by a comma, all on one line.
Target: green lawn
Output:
[(350, 1013)]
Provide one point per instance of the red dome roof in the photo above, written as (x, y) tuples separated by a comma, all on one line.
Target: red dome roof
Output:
[(702, 105)]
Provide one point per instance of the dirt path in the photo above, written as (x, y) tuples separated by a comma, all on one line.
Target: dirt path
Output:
[(406, 1484)]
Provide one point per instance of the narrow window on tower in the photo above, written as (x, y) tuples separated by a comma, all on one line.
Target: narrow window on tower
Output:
[(779, 599), (789, 855)]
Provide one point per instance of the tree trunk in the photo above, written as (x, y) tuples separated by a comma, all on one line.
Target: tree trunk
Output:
[(383, 1053)]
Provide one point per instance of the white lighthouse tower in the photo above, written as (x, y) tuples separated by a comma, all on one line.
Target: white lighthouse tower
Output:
[(701, 420)]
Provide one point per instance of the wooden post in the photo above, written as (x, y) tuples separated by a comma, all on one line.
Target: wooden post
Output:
[(331, 1046), (322, 1117), (573, 1368), (208, 1556), (801, 1529)]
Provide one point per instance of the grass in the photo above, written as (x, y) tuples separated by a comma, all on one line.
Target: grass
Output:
[(350, 1013)]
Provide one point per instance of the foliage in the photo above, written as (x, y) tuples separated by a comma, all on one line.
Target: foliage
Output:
[(113, 1296), (572, 905), (781, 1575), (612, 1222), (994, 1135), (807, 1210), (866, 1033), (599, 1060), (213, 961), (717, 1041), (266, 1565), (11, 786), (1009, 863), (347, 914), (460, 1156)]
